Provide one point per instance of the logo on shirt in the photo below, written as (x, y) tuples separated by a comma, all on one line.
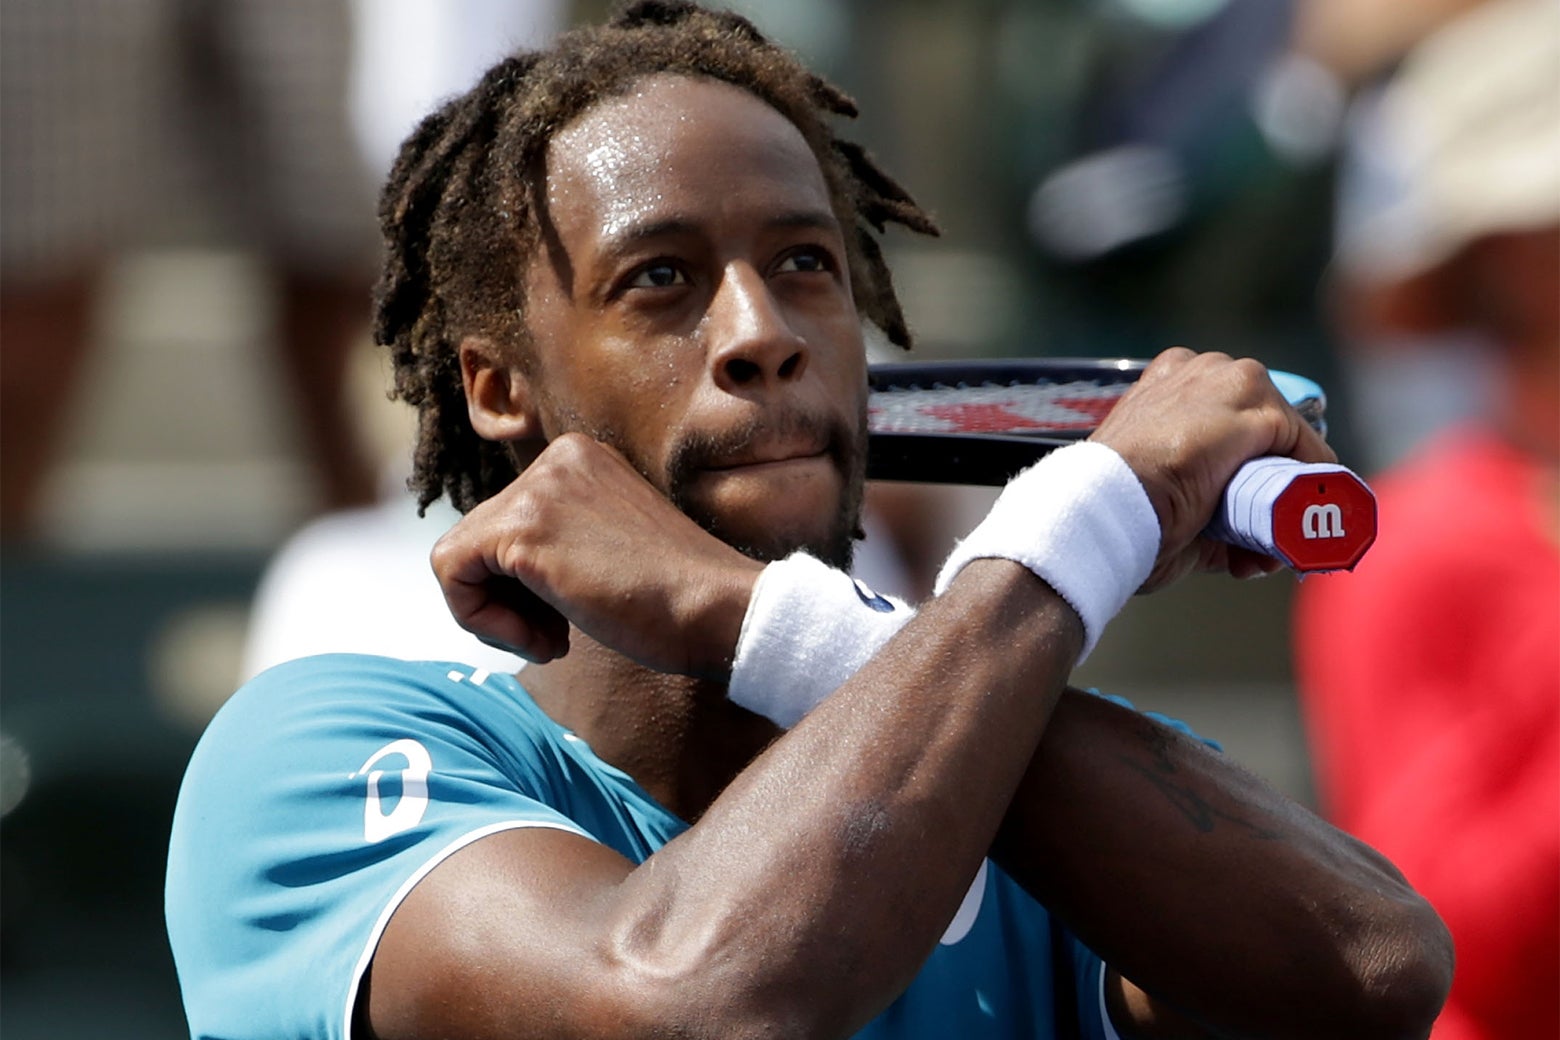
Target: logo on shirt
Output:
[(409, 808), (872, 599)]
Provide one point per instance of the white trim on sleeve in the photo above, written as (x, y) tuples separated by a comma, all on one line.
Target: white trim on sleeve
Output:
[(1105, 1022)]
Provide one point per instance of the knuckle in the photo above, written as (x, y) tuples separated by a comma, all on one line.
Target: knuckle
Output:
[(518, 559), (1252, 372), (1165, 362), (442, 552), (1253, 382), (527, 513), (449, 553), (570, 448)]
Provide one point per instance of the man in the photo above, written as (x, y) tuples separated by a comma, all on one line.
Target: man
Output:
[(624, 288)]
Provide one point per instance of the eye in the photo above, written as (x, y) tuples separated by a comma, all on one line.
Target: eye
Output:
[(658, 274), (806, 260)]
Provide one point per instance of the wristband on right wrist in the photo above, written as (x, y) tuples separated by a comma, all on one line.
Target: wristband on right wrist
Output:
[(1081, 521)]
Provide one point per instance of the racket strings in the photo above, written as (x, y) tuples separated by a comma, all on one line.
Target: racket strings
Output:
[(1074, 407)]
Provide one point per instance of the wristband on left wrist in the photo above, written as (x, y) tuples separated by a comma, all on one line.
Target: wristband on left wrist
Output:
[(808, 628)]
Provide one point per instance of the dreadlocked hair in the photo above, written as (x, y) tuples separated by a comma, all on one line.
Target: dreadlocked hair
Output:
[(459, 212)]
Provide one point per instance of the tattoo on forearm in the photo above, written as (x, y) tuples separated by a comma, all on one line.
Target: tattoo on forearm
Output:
[(1161, 772)]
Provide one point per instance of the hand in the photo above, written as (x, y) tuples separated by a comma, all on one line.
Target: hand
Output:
[(1185, 427), (581, 537)]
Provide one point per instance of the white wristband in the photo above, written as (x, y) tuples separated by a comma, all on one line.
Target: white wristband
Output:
[(1080, 520), (808, 628)]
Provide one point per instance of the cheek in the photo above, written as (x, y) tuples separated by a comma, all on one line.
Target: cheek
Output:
[(635, 403), (845, 366)]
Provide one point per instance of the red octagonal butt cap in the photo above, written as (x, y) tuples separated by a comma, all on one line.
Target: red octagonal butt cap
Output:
[(1324, 522)]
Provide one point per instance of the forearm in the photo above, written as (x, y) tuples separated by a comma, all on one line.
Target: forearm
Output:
[(822, 843), (1212, 891)]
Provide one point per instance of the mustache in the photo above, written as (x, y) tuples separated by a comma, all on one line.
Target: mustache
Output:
[(846, 448), (702, 450)]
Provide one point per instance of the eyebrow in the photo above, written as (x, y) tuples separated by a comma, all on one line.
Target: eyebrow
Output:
[(623, 241)]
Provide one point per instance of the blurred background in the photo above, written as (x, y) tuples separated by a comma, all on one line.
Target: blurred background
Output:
[(202, 474)]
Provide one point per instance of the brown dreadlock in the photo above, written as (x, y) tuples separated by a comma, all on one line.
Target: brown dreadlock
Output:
[(459, 212)]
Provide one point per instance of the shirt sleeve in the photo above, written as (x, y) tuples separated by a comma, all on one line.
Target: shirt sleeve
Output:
[(318, 797)]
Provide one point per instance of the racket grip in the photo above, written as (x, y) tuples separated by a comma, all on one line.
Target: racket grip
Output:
[(1312, 516)]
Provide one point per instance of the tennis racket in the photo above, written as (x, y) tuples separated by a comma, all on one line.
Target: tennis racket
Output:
[(954, 422)]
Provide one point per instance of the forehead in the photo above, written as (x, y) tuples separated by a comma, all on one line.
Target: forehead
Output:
[(676, 145)]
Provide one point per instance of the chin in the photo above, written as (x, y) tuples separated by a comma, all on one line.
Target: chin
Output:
[(827, 532), (836, 548), (838, 551), (769, 511)]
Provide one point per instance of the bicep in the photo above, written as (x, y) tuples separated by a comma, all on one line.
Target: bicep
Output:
[(504, 936)]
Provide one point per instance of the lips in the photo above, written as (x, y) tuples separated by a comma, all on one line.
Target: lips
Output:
[(782, 440), (768, 455)]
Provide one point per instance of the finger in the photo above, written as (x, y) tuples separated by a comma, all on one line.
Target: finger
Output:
[(496, 608), (537, 639), (1309, 445), (1244, 563), (1167, 361), (1294, 437), (514, 618)]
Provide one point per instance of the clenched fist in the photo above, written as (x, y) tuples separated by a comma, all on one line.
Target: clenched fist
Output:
[(581, 537), (1185, 427)]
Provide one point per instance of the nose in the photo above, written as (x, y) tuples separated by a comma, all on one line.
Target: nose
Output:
[(752, 343)]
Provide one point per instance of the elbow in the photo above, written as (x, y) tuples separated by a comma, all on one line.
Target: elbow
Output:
[(704, 994), (1404, 968), (691, 1008)]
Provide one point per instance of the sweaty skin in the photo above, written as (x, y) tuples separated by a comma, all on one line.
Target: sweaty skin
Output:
[(693, 292), (704, 301)]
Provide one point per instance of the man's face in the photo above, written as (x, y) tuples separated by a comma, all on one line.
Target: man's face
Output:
[(691, 307)]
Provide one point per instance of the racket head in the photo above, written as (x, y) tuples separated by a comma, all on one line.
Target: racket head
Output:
[(981, 422)]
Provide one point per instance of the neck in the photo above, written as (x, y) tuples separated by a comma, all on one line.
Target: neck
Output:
[(678, 737)]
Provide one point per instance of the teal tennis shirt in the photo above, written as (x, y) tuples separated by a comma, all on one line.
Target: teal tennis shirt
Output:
[(326, 788)]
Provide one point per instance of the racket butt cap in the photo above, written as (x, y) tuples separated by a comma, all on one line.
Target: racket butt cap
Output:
[(1324, 522)]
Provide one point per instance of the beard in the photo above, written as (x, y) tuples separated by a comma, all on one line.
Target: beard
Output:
[(845, 449)]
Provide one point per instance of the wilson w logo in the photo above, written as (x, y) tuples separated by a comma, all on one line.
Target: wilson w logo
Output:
[(1322, 521)]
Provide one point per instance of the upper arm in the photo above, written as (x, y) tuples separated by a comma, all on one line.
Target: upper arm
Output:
[(506, 935)]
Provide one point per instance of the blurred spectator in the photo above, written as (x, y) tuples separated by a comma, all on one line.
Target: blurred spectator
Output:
[(1431, 675), (409, 56), (358, 580), (129, 123)]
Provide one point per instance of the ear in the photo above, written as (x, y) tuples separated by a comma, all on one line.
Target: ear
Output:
[(498, 395)]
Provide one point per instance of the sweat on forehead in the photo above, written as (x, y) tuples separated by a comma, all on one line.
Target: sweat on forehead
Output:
[(459, 210), (630, 154)]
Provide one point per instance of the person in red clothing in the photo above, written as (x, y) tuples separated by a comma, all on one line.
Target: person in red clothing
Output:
[(1432, 687), (1430, 676)]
